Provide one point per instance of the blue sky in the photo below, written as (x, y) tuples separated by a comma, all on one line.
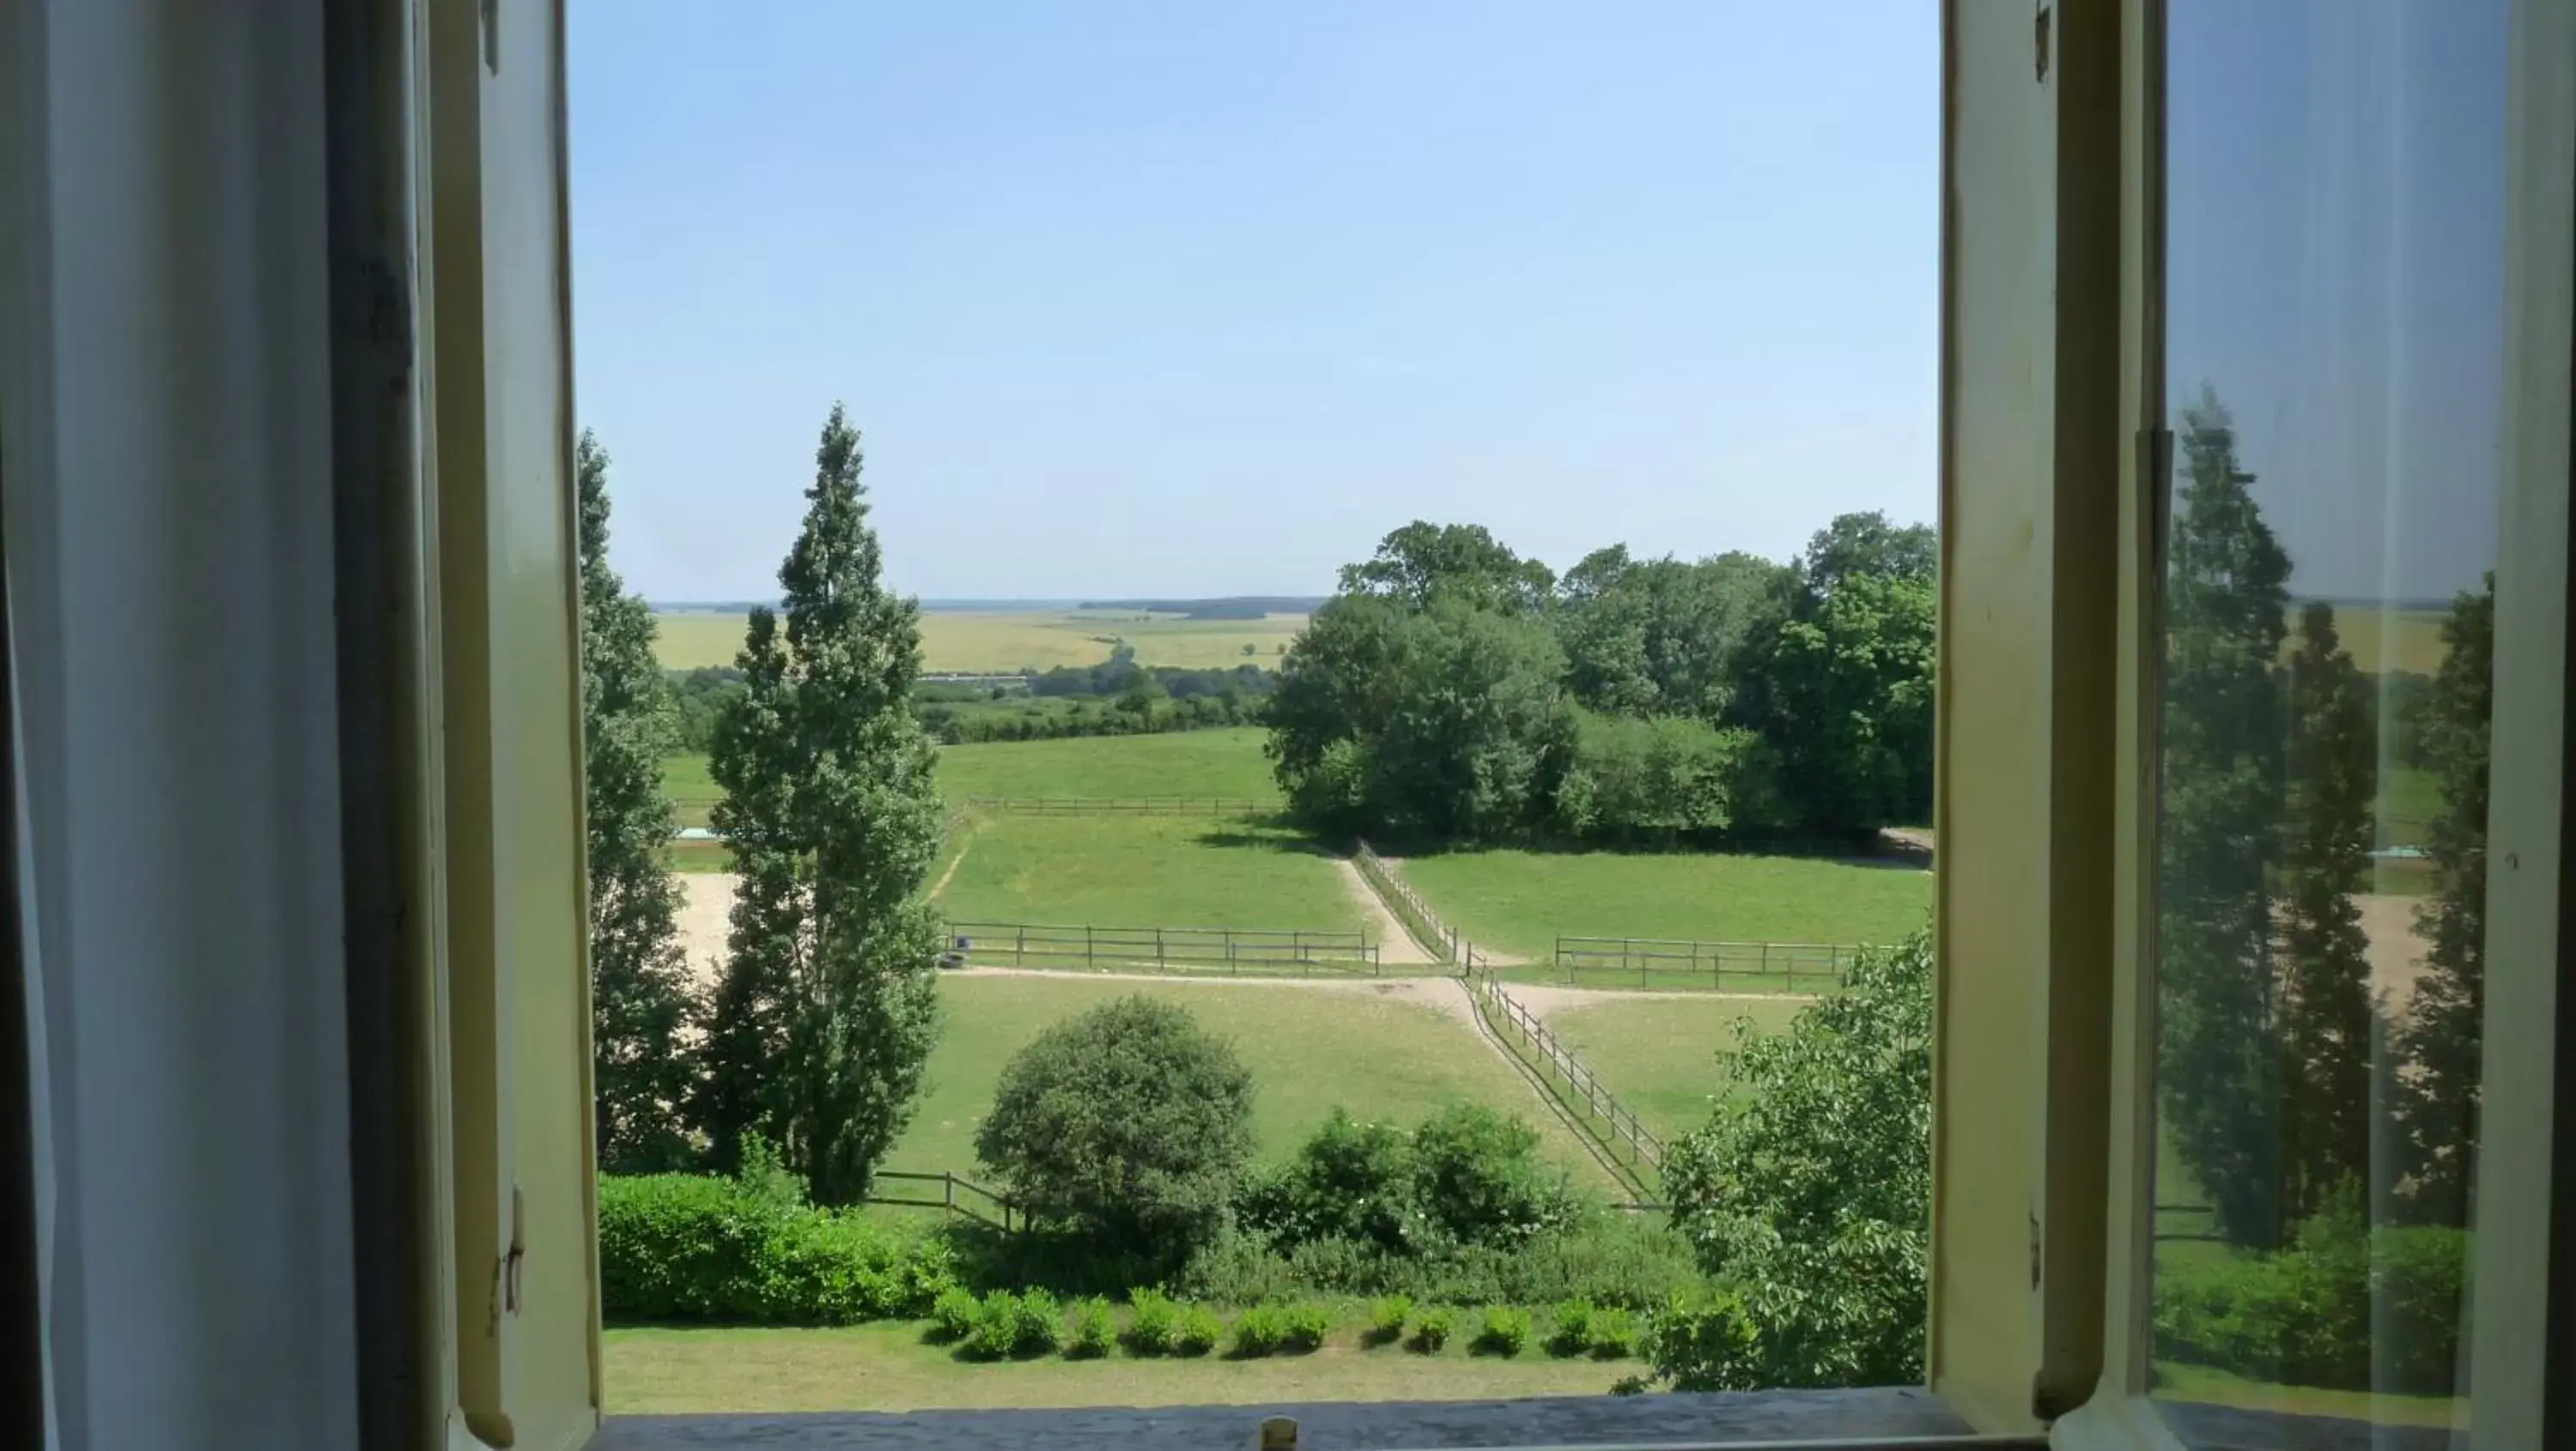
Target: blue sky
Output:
[(1194, 298)]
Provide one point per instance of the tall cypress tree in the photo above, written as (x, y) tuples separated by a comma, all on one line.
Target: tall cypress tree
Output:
[(2440, 1038), (639, 995), (828, 1005), (2226, 593), (2327, 1010)]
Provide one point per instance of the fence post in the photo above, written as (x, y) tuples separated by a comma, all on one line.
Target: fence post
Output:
[(1089, 958), (1766, 960), (1158, 949)]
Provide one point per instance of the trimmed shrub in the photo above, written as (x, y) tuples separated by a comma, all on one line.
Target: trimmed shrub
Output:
[(1503, 1332), (1431, 1331), (1569, 1330), (697, 1247), (1477, 1177), (1130, 1123), (997, 1327), (1614, 1334), (1387, 1316), (1197, 1331), (1089, 1329), (1038, 1323), (2304, 1316), (953, 1315), (1154, 1323), (1303, 1328), (1259, 1331)]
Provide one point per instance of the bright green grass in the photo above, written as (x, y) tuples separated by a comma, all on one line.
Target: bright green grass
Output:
[(1146, 871), (1310, 1049), (887, 1368), (1660, 1054), (2208, 1386), (1173, 763), (2408, 801), (1004, 642), (692, 791), (1520, 901)]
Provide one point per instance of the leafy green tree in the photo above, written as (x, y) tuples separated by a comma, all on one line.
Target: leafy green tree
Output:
[(828, 1005), (639, 993), (1130, 1124), (1843, 690), (1445, 719), (1422, 562), (1807, 1197), (2226, 594), (2328, 1014), (1660, 636), (1867, 544), (2442, 1033)]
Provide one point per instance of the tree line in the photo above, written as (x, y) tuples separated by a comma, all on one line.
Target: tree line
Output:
[(2277, 1053), (813, 1036), (1115, 697), (1453, 690)]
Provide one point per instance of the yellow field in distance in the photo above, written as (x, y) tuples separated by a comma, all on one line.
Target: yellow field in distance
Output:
[(1000, 643)]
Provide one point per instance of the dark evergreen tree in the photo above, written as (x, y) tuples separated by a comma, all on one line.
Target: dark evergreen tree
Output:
[(2328, 1012), (639, 992), (2443, 1026), (2225, 602), (828, 1005)]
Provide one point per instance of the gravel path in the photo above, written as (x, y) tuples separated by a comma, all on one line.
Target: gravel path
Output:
[(1396, 947)]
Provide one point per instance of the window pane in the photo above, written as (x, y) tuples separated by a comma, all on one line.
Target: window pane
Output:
[(2334, 256)]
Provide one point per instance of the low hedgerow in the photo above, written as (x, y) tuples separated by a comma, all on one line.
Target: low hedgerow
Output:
[(1503, 1332), (1259, 1331), (1197, 1331), (1154, 1324), (953, 1315), (1008, 1325), (1614, 1334), (1303, 1328), (1387, 1317), (1569, 1330), (2347, 1306), (697, 1247), (1089, 1329), (1431, 1331)]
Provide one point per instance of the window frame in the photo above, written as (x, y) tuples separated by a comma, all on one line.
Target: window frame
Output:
[(2519, 1322)]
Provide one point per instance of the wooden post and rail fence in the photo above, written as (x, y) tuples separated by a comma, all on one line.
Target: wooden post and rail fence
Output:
[(962, 1197), (1121, 805), (1633, 1149), (1791, 967), (1420, 922), (1236, 951)]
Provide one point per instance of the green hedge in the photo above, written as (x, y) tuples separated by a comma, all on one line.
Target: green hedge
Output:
[(2304, 1316), (690, 1247)]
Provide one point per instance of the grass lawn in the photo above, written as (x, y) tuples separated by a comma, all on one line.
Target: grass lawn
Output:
[(1001, 642), (1659, 1054), (1520, 901), (1174, 763), (1146, 871), (888, 1368), (2408, 801), (2205, 1385), (692, 791), (1310, 1050)]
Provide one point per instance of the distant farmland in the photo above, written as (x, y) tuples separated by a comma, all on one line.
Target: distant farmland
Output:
[(1004, 641)]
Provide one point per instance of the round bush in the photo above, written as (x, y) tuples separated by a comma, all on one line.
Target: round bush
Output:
[(1259, 1331), (1303, 1328), (1504, 1331), (1197, 1331), (1431, 1331), (1155, 1323), (1130, 1123), (1387, 1318), (1089, 1330)]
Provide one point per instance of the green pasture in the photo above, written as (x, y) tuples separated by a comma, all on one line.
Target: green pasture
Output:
[(888, 1367), (1224, 762), (1002, 642), (1146, 871), (1368, 1047), (1519, 902), (1659, 1053)]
